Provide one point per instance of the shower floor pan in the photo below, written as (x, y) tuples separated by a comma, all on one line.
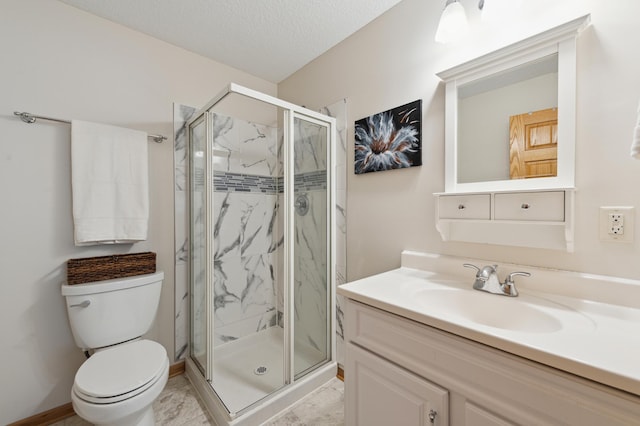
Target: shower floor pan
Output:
[(249, 369)]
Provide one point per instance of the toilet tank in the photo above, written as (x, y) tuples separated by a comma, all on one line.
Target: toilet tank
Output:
[(104, 313)]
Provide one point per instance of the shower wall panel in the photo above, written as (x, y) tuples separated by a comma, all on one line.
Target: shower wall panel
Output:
[(245, 231), (245, 263), (338, 110), (244, 148), (181, 115)]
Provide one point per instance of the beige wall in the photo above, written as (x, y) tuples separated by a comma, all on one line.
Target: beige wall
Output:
[(394, 60), (61, 62)]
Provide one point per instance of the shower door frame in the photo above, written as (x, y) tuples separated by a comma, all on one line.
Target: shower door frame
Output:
[(291, 112), (330, 214)]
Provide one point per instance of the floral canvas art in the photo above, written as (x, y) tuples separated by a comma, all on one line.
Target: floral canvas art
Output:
[(389, 140)]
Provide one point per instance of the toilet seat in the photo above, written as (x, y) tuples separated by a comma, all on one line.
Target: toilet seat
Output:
[(121, 372)]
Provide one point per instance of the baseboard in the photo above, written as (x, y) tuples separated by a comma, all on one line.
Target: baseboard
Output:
[(340, 374), (176, 369), (62, 412), (47, 417)]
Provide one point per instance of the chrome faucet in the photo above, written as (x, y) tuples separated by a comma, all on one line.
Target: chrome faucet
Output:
[(487, 280)]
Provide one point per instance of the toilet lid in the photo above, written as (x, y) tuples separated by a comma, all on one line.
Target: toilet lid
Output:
[(121, 370)]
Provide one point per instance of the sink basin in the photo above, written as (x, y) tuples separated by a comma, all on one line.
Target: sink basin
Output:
[(507, 313)]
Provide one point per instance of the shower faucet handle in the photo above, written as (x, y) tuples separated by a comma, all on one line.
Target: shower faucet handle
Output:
[(302, 204)]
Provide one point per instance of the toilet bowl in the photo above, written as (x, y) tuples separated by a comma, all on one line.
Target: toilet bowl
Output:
[(118, 384)]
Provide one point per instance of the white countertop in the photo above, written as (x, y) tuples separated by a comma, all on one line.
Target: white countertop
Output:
[(595, 340)]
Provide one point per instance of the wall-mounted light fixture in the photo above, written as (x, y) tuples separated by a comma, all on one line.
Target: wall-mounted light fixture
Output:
[(453, 22)]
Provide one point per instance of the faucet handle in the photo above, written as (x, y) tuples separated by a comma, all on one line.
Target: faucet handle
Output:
[(469, 265), (509, 286), (509, 279)]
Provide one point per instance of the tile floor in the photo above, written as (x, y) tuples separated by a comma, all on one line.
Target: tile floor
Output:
[(178, 405)]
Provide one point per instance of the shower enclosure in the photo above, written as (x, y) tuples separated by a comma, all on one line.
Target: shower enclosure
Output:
[(261, 254)]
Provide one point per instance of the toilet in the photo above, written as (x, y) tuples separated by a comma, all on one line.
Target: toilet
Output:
[(119, 382)]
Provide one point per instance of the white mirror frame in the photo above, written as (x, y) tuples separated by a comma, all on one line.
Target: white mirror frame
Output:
[(560, 40)]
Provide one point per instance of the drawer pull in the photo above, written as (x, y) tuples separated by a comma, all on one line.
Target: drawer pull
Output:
[(461, 207), (525, 206)]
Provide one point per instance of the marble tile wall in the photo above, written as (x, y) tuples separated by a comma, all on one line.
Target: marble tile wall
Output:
[(245, 227), (181, 114), (242, 147), (310, 151), (248, 226), (245, 263)]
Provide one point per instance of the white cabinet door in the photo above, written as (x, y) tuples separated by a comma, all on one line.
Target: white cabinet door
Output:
[(378, 392)]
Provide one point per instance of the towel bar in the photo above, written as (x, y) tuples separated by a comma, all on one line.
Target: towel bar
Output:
[(31, 118)]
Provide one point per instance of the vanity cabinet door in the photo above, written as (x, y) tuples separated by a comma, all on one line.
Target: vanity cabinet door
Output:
[(465, 206), (378, 392)]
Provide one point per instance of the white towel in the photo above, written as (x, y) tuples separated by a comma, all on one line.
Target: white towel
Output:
[(110, 184), (635, 143)]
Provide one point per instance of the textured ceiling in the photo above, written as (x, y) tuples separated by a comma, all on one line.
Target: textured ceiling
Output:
[(270, 39)]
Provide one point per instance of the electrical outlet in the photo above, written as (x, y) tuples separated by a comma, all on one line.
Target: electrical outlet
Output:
[(616, 224)]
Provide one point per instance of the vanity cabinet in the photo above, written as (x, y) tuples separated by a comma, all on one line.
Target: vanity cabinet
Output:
[(399, 371), (540, 219)]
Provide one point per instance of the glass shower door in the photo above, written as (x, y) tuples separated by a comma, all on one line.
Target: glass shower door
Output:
[(311, 292), (197, 237), (245, 253)]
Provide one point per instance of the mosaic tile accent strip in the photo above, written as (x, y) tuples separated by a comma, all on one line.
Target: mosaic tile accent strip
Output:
[(238, 182), (311, 181)]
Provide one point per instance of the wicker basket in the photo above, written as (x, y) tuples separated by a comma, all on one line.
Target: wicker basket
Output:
[(100, 268)]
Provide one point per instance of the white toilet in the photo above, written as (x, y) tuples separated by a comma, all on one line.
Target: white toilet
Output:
[(119, 382)]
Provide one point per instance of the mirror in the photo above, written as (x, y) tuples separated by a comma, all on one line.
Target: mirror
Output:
[(506, 118), (510, 115)]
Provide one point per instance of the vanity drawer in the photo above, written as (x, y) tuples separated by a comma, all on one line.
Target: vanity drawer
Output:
[(545, 206), (465, 206)]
